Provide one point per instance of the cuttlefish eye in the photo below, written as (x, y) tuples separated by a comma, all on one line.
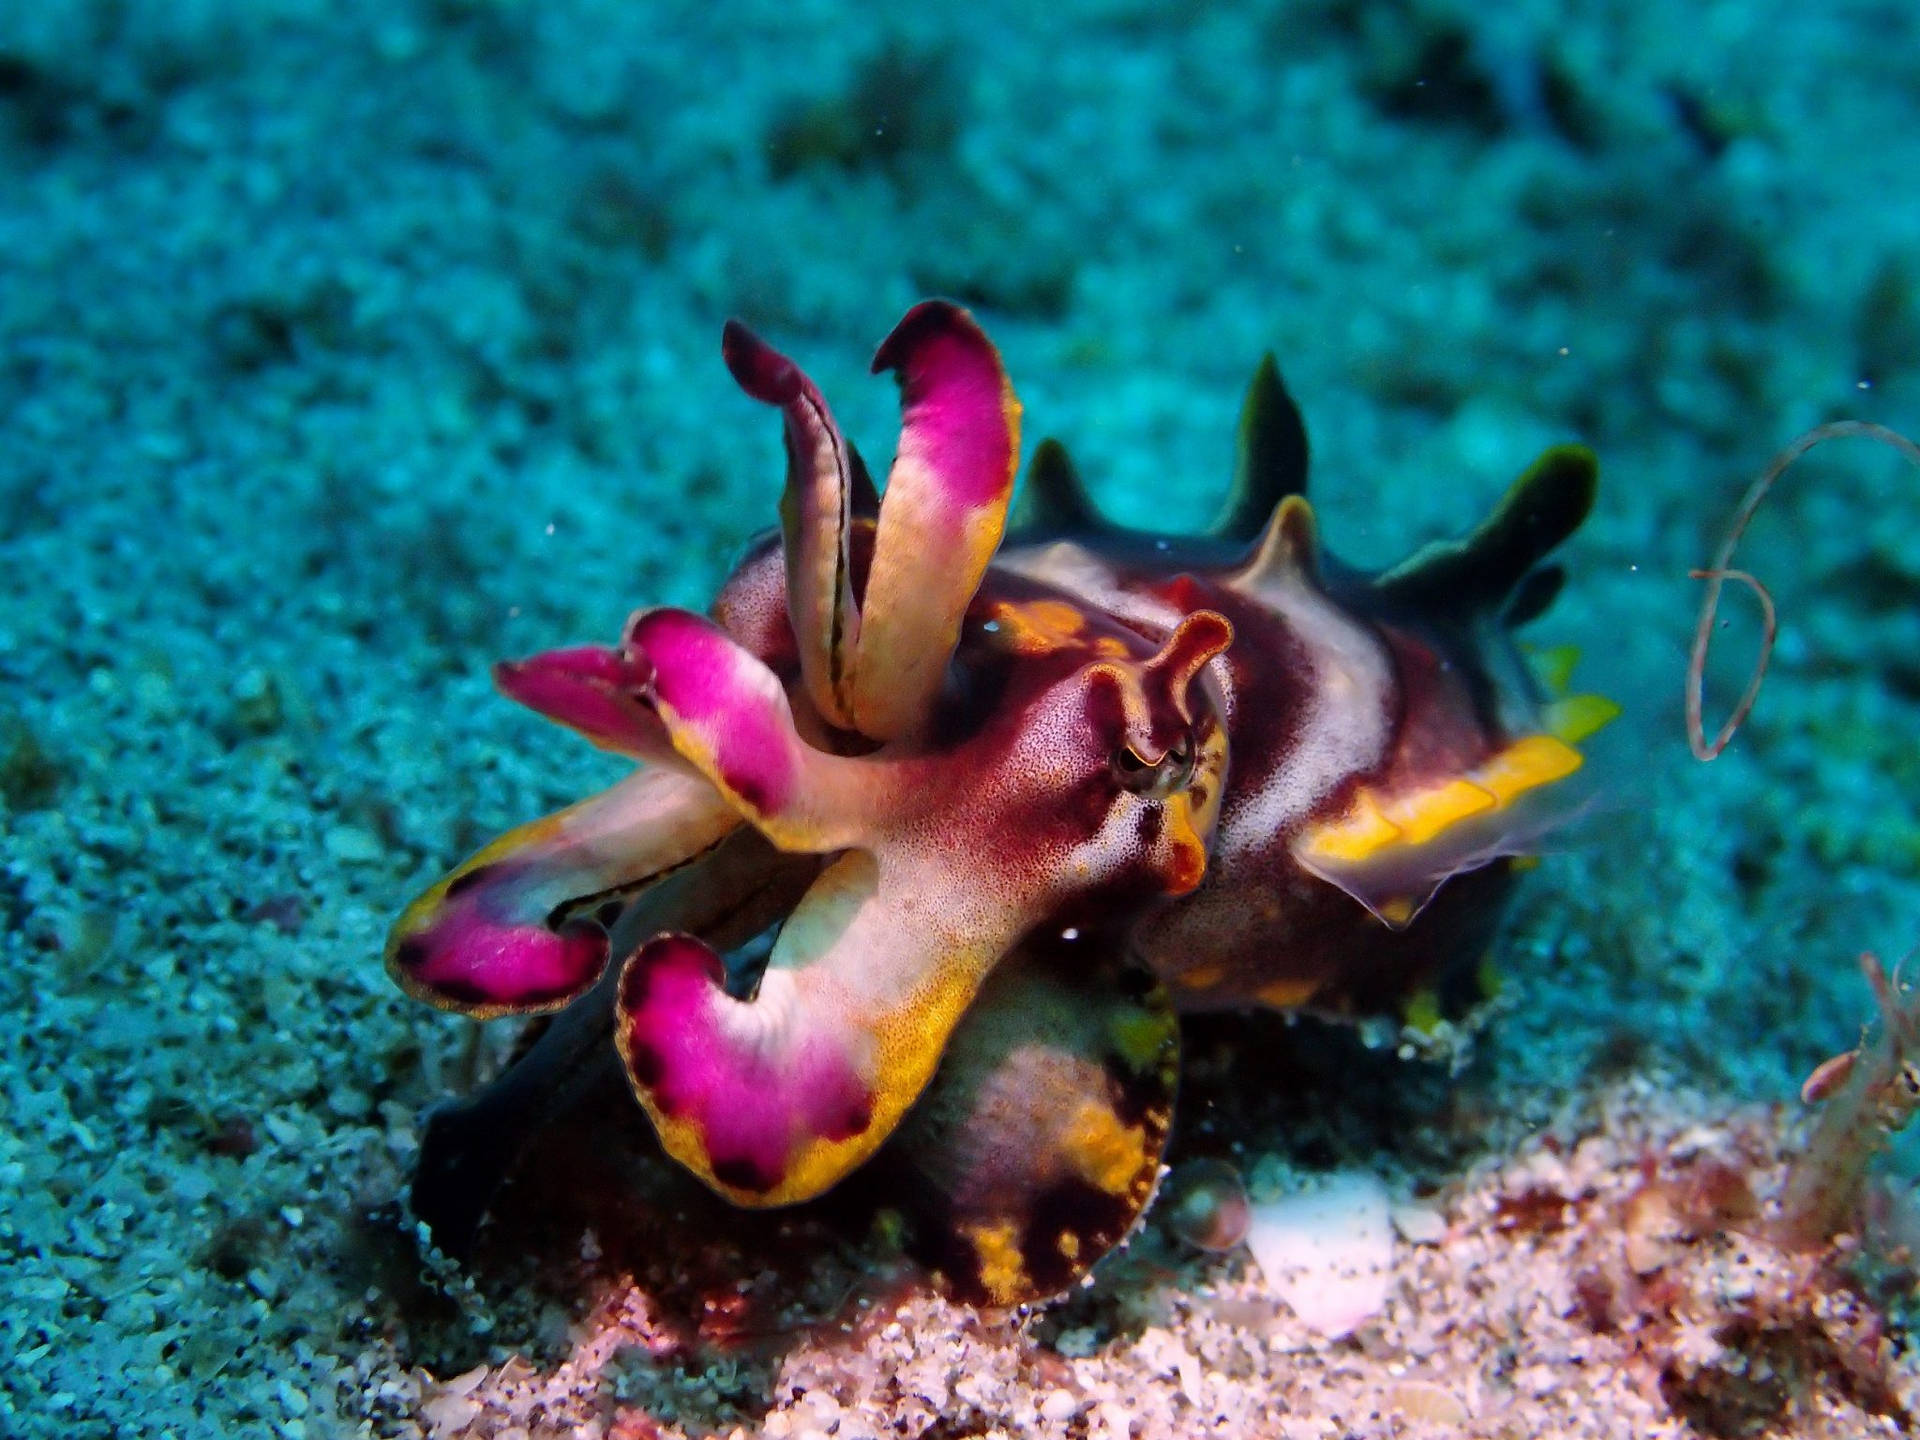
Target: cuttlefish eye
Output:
[(1156, 779)]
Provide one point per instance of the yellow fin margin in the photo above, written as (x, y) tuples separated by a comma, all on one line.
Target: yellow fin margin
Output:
[(1375, 823)]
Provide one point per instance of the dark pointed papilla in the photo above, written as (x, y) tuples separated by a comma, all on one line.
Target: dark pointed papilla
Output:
[(1477, 573), (1270, 460), (1534, 595), (1053, 504)]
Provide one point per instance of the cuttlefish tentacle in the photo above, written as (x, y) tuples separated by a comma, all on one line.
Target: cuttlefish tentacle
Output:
[(519, 928), (727, 896)]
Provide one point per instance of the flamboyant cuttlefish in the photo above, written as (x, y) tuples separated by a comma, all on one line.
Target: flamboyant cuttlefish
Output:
[(1005, 810)]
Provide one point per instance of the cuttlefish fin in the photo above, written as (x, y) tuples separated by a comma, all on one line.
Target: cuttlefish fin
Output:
[(1533, 596), (775, 1097), (1391, 848), (520, 927), (1038, 1144)]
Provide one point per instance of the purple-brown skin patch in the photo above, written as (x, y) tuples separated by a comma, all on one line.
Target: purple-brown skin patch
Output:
[(709, 684), (474, 958), (749, 1107)]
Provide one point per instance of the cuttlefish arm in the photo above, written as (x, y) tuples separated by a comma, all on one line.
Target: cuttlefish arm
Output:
[(470, 1144), (874, 645), (773, 1097), (1038, 1144), (520, 927)]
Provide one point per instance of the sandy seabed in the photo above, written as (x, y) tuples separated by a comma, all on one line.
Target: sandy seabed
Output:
[(345, 348)]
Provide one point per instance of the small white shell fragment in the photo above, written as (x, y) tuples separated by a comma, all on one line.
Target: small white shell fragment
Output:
[(1422, 1400), (465, 1383), (1059, 1407), (1419, 1224), (1328, 1251), (1111, 1421), (447, 1415)]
